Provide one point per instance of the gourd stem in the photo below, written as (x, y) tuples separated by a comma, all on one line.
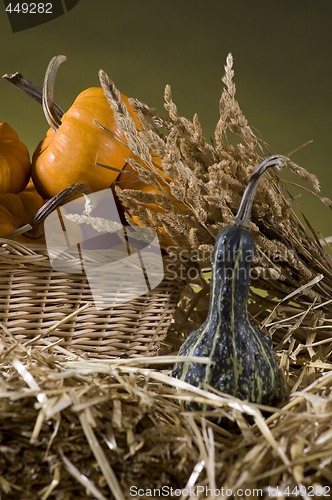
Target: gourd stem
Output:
[(244, 213), (48, 92), (31, 89)]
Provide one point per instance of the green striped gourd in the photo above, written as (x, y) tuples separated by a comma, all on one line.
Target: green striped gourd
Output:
[(243, 361)]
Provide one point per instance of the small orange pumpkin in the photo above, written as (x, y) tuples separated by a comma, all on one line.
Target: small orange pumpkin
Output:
[(22, 215), (15, 163), (16, 210), (75, 143)]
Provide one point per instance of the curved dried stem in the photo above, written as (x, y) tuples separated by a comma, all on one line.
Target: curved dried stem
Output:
[(32, 90), (48, 91), (244, 213)]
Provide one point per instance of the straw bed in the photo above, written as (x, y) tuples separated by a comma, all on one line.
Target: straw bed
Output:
[(94, 429)]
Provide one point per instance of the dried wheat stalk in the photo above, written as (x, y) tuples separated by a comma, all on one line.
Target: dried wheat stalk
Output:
[(209, 179)]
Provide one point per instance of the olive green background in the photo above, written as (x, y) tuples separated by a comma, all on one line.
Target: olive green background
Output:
[(283, 68)]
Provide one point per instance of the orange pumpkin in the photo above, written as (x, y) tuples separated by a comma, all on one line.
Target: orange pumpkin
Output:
[(16, 210), (74, 144), (15, 163)]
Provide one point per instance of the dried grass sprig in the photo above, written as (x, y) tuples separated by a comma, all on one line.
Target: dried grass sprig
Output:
[(305, 175), (231, 116), (209, 179), (126, 122)]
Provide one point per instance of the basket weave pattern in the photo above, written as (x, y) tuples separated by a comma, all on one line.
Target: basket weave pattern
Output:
[(39, 303)]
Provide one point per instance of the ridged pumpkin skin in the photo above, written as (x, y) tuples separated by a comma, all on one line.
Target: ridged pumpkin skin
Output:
[(69, 155), (244, 363), (16, 210), (15, 166)]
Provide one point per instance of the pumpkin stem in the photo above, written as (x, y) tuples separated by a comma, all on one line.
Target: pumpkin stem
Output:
[(48, 92), (244, 213), (31, 89)]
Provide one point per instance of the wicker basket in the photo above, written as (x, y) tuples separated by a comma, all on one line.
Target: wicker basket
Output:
[(42, 306)]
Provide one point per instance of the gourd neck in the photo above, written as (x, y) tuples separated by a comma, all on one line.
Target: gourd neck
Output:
[(231, 267), (234, 251)]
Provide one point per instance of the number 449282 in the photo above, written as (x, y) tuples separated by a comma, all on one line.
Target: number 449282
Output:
[(29, 8)]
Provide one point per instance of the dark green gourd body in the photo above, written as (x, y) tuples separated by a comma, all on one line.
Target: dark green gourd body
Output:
[(243, 360)]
